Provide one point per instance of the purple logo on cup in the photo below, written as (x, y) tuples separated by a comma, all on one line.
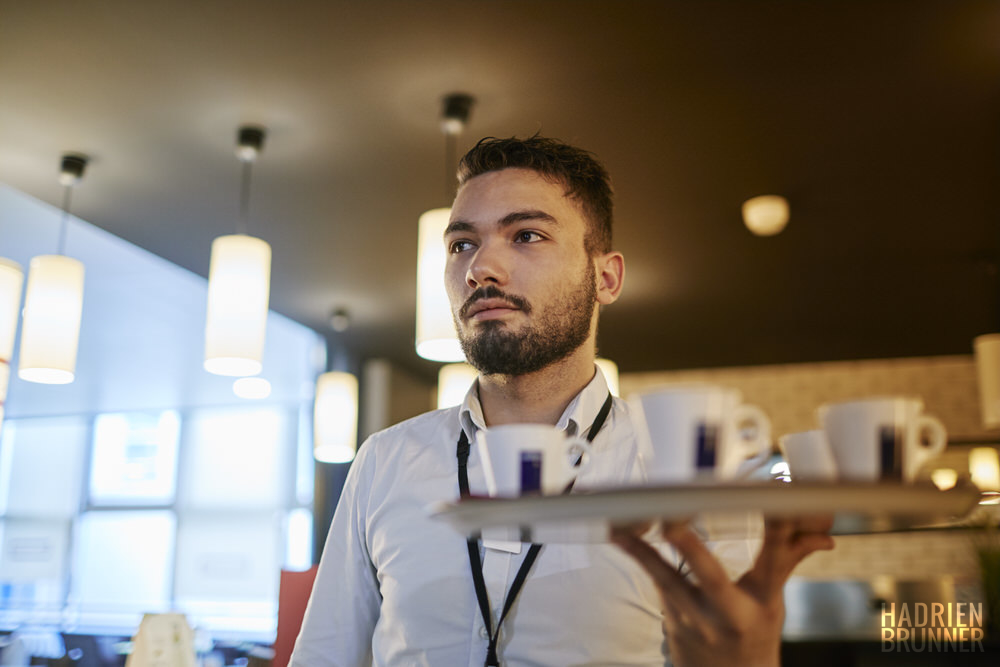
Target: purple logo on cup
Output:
[(531, 472), (708, 438), (889, 456)]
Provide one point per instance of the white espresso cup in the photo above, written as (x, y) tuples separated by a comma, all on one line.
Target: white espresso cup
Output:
[(881, 438), (693, 432), (521, 459), (809, 457)]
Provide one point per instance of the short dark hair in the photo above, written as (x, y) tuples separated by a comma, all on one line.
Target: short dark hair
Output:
[(585, 178)]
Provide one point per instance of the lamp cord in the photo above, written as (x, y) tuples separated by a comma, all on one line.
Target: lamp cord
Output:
[(242, 225), (64, 223)]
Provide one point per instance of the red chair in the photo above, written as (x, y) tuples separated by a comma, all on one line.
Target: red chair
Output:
[(293, 595)]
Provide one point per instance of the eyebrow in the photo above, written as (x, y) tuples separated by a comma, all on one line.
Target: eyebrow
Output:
[(506, 221)]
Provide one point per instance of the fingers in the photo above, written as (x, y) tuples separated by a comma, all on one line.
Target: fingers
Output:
[(678, 595), (636, 529), (807, 544), (786, 543), (712, 577), (814, 524), (809, 534), (812, 534)]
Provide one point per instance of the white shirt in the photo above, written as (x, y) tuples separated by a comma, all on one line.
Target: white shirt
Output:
[(394, 586)]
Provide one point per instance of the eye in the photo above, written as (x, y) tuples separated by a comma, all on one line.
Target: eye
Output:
[(459, 246), (528, 236)]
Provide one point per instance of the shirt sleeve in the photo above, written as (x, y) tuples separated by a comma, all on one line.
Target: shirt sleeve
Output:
[(344, 605)]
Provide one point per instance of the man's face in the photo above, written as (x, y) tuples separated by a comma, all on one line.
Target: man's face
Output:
[(521, 285)]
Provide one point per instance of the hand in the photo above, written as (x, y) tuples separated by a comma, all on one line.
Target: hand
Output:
[(721, 622)]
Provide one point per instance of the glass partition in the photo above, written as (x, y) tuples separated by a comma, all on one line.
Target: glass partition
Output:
[(146, 484)]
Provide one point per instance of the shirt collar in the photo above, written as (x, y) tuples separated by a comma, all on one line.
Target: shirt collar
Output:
[(579, 414)]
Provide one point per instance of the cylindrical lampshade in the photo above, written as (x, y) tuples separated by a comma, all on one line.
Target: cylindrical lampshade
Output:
[(765, 215), (11, 282), (239, 282), (987, 351), (436, 338), (610, 370), (454, 381), (335, 417), (53, 305)]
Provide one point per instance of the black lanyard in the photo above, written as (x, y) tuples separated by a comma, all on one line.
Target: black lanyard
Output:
[(473, 543)]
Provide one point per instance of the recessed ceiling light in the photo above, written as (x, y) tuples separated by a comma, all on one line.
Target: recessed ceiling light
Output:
[(765, 215)]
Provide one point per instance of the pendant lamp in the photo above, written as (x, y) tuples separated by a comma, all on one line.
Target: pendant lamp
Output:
[(239, 282), (436, 338), (335, 417), (987, 356), (11, 282), (53, 302), (454, 381)]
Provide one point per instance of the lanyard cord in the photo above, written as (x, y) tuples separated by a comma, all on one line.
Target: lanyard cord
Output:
[(475, 562)]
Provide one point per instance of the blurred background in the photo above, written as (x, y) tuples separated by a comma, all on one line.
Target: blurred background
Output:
[(147, 484)]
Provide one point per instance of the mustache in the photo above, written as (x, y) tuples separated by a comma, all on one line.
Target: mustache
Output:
[(492, 292)]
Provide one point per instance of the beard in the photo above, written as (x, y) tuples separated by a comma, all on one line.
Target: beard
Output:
[(560, 331)]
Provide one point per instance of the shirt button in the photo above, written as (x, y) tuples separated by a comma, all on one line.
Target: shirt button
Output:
[(483, 633)]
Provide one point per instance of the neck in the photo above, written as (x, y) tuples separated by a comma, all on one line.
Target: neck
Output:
[(536, 398)]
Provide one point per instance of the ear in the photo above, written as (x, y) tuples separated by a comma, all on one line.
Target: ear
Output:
[(610, 270)]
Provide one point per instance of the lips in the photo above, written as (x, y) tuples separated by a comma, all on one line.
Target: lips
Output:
[(489, 302), (489, 307)]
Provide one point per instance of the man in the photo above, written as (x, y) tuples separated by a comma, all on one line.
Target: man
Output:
[(529, 262)]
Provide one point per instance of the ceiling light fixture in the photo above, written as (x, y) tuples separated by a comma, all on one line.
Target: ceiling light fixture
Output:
[(11, 282), (239, 282), (340, 320), (986, 350), (335, 417), (53, 303), (454, 381), (436, 339), (765, 215)]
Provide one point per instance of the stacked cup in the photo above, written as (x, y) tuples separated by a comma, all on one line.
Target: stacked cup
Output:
[(696, 433), (877, 439)]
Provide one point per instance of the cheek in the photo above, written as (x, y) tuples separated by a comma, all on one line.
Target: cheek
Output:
[(454, 282)]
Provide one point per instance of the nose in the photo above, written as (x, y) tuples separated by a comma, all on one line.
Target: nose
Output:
[(488, 266)]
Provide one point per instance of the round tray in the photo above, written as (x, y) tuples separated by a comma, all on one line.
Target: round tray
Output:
[(582, 517)]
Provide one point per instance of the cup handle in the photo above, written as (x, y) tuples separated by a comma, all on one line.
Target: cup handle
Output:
[(760, 445), (586, 454), (938, 436), (484, 458)]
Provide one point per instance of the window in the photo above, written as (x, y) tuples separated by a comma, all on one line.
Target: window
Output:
[(105, 518), (134, 459)]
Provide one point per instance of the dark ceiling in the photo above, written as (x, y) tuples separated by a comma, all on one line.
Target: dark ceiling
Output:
[(879, 121)]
